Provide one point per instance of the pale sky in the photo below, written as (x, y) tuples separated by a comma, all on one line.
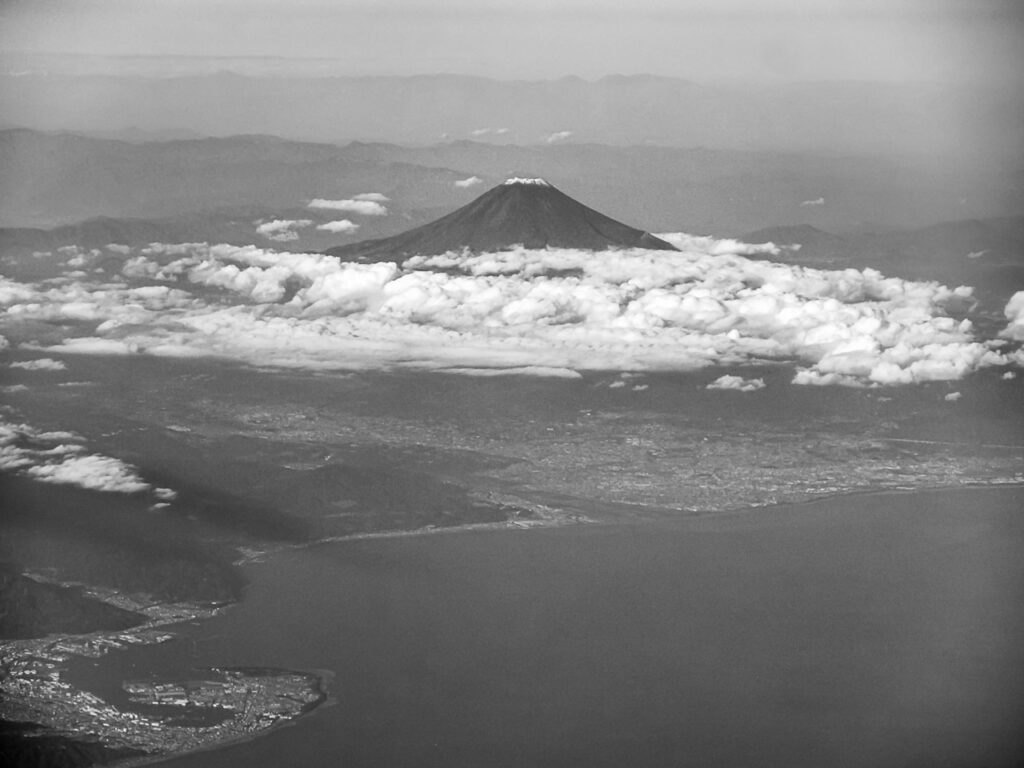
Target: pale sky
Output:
[(888, 40)]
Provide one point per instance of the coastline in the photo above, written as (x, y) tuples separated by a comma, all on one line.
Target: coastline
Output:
[(864, 627), (163, 617), (323, 677), (36, 693)]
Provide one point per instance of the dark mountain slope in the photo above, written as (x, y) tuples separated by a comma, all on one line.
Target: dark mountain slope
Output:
[(527, 212)]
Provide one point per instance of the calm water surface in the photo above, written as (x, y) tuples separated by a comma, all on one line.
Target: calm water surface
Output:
[(876, 630)]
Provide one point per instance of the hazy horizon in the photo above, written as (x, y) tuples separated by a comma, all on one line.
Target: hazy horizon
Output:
[(940, 79), (953, 41), (165, 66)]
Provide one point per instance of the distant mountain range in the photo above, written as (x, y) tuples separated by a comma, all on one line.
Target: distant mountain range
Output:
[(987, 254), (521, 211), (833, 117), (48, 180), (957, 224)]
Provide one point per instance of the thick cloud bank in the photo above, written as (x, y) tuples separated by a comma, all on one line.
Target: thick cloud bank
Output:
[(533, 311), (60, 457)]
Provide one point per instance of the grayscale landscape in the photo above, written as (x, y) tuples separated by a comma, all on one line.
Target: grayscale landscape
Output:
[(512, 384)]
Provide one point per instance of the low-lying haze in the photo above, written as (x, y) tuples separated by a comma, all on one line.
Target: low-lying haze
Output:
[(910, 40), (837, 76)]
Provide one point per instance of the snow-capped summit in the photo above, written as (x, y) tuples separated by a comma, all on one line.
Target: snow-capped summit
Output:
[(518, 180), (519, 212)]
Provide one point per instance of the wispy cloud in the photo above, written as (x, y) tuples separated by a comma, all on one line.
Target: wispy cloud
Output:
[(339, 226), (526, 370), (718, 247), (815, 201), (558, 136), (351, 205), (40, 364), (472, 181), (481, 132)]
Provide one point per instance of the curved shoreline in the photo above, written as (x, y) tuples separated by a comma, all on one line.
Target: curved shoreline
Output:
[(35, 692), (451, 639)]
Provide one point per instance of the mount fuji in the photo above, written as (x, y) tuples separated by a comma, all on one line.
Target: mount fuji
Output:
[(519, 212)]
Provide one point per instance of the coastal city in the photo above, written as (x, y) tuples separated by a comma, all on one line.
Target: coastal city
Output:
[(232, 703)]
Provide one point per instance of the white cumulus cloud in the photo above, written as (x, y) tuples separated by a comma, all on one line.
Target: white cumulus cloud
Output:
[(40, 364), (282, 230), (472, 181), (61, 457), (737, 383), (376, 197), (339, 226), (97, 473), (1014, 312), (351, 205)]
